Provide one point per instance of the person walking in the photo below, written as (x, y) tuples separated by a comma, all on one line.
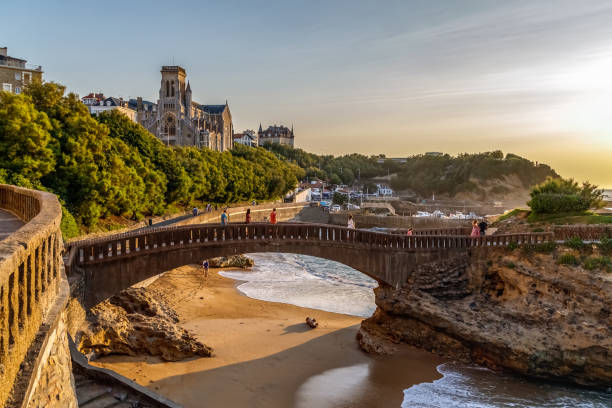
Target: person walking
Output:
[(247, 218), (475, 229), (195, 211), (205, 266), (409, 232), (273, 216), (224, 218), (351, 222), (483, 227)]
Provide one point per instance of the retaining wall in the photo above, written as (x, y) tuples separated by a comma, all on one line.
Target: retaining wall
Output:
[(369, 221), (30, 278)]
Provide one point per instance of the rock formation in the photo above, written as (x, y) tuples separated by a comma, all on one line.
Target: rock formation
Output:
[(137, 321), (234, 261), (504, 308)]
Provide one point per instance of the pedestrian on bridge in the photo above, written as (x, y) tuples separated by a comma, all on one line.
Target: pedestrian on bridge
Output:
[(205, 265), (224, 218), (195, 211), (273, 216), (351, 222), (475, 229), (483, 227), (409, 232), (247, 218)]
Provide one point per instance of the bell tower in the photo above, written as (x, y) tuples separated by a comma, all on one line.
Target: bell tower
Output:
[(171, 104)]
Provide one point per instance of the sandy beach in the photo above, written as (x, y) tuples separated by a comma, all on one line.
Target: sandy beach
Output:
[(266, 356)]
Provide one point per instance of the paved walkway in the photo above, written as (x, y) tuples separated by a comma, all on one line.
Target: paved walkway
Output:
[(8, 224)]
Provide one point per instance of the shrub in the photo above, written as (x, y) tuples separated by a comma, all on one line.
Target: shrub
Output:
[(68, 225), (558, 203), (599, 262), (605, 245), (568, 259), (574, 243), (544, 247), (558, 195)]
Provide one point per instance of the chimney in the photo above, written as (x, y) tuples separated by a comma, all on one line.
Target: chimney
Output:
[(3, 51)]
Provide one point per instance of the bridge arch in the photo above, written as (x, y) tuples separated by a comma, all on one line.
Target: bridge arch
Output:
[(111, 264)]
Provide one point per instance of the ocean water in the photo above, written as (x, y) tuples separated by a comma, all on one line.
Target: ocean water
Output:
[(307, 281), (326, 285)]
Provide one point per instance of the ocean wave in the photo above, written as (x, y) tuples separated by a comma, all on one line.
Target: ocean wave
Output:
[(477, 387)]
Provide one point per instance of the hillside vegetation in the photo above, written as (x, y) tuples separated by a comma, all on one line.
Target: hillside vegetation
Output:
[(477, 175), (109, 166)]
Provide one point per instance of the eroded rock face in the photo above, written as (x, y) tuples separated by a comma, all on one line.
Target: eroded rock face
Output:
[(234, 261), (137, 321), (504, 309)]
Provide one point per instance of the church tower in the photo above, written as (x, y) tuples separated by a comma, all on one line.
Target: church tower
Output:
[(171, 104)]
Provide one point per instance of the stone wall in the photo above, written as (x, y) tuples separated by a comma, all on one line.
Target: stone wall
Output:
[(30, 276), (52, 384), (259, 213), (369, 221)]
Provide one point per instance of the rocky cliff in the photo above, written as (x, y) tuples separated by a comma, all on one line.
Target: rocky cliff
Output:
[(138, 321), (506, 309)]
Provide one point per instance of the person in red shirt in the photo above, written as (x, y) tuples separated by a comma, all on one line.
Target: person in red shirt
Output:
[(248, 216), (273, 216)]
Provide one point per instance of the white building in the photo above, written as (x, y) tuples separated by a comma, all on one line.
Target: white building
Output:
[(97, 105), (247, 138), (384, 190)]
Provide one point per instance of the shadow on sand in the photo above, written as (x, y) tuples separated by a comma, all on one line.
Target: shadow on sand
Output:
[(340, 375)]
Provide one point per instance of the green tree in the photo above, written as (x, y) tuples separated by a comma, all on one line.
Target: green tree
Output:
[(25, 154)]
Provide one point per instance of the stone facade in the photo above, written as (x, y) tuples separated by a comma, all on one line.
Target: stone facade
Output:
[(178, 120), (16, 74), (276, 134)]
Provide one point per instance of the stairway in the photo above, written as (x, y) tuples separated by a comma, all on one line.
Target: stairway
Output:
[(91, 394)]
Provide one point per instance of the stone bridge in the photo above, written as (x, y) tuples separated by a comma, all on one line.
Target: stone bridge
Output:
[(112, 264)]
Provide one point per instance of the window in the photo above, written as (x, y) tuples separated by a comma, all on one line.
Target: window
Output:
[(7, 87), (17, 76), (170, 127), (172, 88), (27, 77), (17, 90), (167, 88)]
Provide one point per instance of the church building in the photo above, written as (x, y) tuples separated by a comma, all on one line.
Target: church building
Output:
[(178, 120)]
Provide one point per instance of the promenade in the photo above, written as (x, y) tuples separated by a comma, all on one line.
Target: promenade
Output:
[(9, 223)]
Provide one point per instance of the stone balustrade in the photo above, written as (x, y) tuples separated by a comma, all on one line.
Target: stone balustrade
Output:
[(584, 232), (30, 262), (136, 243)]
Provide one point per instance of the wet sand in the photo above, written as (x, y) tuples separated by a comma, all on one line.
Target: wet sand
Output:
[(264, 354)]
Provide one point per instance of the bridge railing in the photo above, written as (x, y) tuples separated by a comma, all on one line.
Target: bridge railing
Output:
[(443, 231), (126, 244), (29, 274), (585, 232)]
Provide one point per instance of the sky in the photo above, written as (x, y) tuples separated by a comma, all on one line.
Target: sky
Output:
[(392, 77)]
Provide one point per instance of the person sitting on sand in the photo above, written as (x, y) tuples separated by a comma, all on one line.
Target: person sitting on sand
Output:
[(475, 229), (205, 265)]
